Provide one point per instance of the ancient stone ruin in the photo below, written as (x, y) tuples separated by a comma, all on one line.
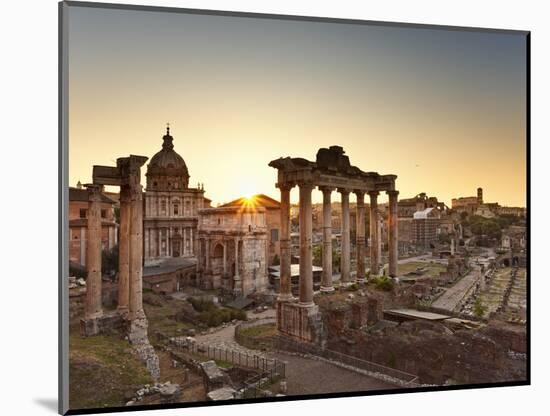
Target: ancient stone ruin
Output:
[(130, 315), (331, 171)]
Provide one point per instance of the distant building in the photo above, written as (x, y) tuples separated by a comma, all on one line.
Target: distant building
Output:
[(78, 223), (517, 211), (171, 206), (425, 225), (237, 241), (468, 204), (408, 206)]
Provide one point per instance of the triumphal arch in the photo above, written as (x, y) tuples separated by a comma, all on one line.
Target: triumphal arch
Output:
[(330, 172)]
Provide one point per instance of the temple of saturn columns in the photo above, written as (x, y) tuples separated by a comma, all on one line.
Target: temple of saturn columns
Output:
[(130, 314), (330, 172)]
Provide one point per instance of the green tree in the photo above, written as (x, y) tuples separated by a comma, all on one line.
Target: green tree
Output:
[(479, 308)]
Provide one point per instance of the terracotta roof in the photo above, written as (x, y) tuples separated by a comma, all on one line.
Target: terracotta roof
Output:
[(259, 200), (76, 194)]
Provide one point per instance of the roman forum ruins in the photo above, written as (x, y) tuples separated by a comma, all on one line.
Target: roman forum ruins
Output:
[(331, 171), (130, 313)]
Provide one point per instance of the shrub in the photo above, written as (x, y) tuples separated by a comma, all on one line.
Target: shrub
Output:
[(383, 283), (353, 287), (479, 308)]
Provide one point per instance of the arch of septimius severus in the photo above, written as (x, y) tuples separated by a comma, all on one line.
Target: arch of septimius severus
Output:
[(330, 172)]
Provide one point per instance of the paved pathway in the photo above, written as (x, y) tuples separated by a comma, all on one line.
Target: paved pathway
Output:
[(449, 300), (225, 337), (311, 376)]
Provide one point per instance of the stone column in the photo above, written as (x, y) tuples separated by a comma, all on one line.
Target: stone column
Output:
[(326, 284), (92, 306), (124, 252), (237, 289), (360, 236), (83, 246), (285, 283), (374, 243), (207, 254), (345, 259), (392, 231), (224, 258), (136, 248), (306, 259)]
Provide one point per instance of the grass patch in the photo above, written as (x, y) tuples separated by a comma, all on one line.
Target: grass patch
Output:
[(430, 270), (212, 315), (162, 318), (101, 369)]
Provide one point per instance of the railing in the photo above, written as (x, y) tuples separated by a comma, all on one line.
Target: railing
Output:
[(235, 357), (402, 377)]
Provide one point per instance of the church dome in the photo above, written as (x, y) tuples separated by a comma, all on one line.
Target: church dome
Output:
[(167, 163)]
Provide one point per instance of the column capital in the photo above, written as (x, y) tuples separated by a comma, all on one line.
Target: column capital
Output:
[(326, 189), (359, 193), (373, 193), (285, 186), (392, 192), (344, 191), (94, 192), (306, 185)]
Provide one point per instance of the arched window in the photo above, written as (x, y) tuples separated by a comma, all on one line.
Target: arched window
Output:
[(176, 209), (163, 207)]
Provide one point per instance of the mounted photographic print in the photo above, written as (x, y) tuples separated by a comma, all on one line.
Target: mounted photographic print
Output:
[(265, 208)]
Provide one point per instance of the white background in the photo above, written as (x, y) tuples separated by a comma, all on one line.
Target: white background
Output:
[(28, 174)]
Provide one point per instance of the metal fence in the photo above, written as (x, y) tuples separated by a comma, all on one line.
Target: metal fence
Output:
[(235, 357)]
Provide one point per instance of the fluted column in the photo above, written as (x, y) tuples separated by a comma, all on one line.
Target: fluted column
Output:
[(285, 291), (374, 238), (124, 252), (306, 259), (392, 231), (237, 288), (345, 259), (92, 307), (136, 247), (326, 284), (360, 235)]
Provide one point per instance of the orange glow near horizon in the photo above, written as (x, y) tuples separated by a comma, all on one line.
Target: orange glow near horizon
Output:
[(442, 110)]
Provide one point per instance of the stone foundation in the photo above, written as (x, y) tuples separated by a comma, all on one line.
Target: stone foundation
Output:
[(301, 323), (108, 322), (137, 336)]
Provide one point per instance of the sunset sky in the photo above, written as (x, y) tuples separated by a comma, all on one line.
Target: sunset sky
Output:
[(444, 110)]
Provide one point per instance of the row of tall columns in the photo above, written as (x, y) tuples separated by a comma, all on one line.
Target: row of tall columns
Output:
[(130, 252), (305, 221)]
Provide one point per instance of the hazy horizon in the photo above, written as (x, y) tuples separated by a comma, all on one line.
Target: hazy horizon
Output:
[(444, 110)]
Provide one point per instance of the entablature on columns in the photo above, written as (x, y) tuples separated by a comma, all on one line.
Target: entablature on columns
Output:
[(121, 174), (331, 169)]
